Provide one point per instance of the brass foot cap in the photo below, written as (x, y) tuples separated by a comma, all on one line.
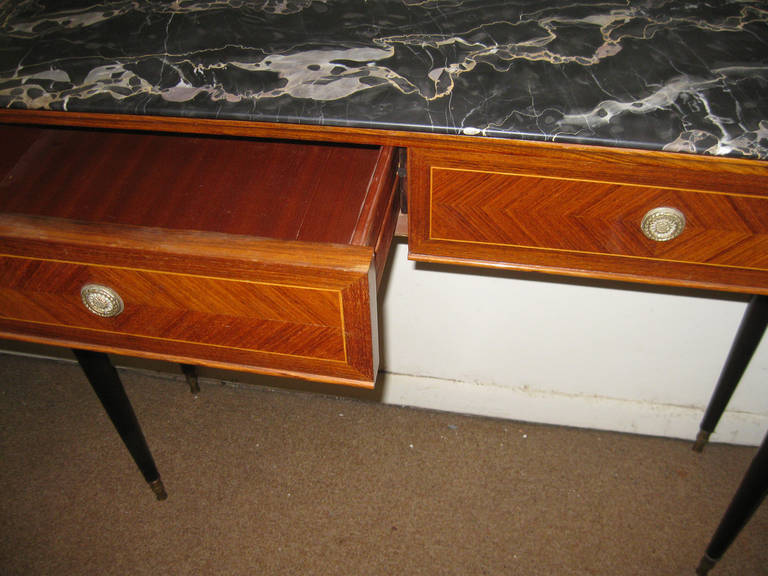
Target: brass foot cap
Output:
[(158, 489), (705, 565), (701, 440)]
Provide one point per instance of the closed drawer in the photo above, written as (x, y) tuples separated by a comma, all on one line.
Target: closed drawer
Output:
[(297, 297), (665, 219)]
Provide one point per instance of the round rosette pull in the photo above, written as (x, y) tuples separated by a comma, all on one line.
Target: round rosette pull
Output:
[(663, 223), (101, 300)]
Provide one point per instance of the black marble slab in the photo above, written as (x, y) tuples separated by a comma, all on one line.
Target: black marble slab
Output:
[(654, 74)]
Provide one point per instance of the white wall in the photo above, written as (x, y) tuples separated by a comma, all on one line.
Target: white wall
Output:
[(547, 349)]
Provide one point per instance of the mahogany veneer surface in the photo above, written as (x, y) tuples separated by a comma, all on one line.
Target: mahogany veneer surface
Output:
[(274, 189), (248, 254), (579, 211)]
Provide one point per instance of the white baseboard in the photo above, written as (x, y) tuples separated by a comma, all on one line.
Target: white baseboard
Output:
[(568, 410), (519, 404)]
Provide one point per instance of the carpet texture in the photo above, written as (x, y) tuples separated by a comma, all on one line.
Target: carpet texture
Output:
[(268, 481)]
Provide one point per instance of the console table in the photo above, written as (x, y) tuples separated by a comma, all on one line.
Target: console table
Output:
[(218, 183)]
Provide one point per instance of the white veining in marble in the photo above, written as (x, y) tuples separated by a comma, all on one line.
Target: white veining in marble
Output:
[(654, 74)]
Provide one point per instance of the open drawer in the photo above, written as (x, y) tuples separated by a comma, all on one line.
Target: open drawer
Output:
[(237, 253)]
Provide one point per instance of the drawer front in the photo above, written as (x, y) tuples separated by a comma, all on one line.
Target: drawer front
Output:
[(252, 316), (673, 225), (252, 313)]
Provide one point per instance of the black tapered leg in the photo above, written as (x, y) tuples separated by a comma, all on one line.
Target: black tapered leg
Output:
[(744, 345), (748, 497), (190, 371), (105, 381)]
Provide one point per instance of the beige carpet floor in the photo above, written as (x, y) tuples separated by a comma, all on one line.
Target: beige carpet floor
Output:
[(266, 481)]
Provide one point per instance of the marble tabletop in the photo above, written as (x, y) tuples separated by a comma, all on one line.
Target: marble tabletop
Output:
[(654, 74)]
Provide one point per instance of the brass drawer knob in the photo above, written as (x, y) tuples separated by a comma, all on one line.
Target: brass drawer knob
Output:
[(101, 300), (663, 223)]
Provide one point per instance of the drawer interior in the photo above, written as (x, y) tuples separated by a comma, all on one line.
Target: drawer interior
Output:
[(250, 254), (313, 192)]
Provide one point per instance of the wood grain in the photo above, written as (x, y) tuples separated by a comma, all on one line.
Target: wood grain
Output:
[(577, 215), (280, 190), (548, 155), (192, 297), (240, 253), (387, 232), (274, 318)]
